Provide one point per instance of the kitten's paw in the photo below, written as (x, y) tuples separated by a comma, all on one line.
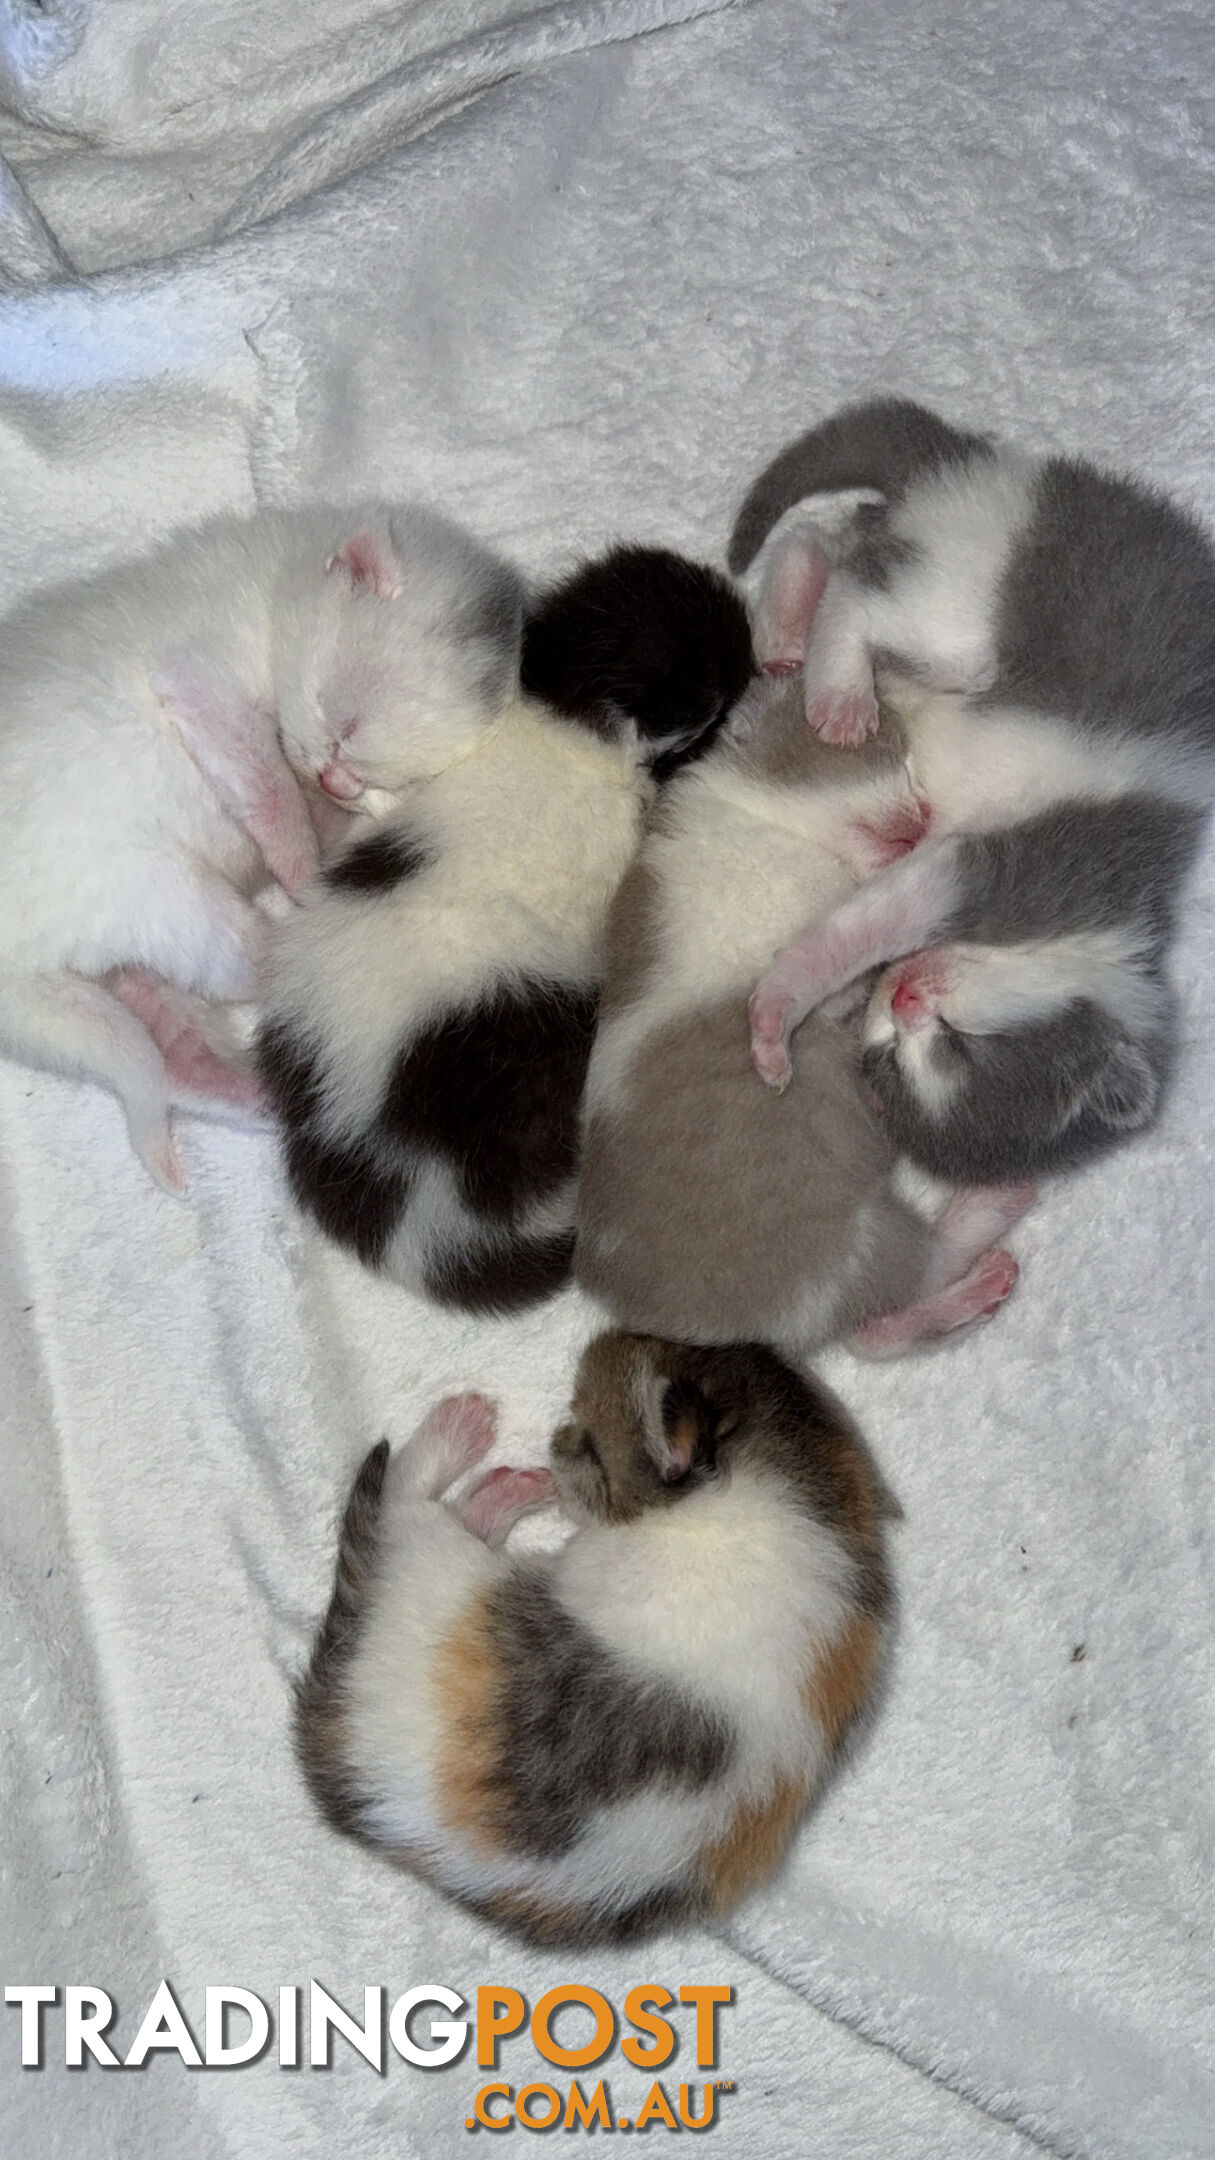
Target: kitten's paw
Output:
[(450, 1439), (982, 1292), (160, 1159), (494, 1504), (197, 1072), (769, 1014), (843, 717)]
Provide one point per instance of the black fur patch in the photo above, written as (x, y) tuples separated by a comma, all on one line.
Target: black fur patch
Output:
[(504, 1276), (575, 1731), (375, 865), (495, 1091), (353, 1196), (646, 633), (885, 444)]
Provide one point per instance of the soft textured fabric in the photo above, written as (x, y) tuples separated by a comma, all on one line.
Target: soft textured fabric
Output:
[(575, 282)]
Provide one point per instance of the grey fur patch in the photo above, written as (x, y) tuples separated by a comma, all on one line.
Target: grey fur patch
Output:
[(574, 1730), (884, 444), (874, 552), (1107, 610), (713, 1210), (1043, 1097), (1080, 866), (320, 1715)]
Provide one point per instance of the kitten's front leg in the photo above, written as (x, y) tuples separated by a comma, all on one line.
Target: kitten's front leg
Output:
[(841, 703), (906, 907), (233, 742)]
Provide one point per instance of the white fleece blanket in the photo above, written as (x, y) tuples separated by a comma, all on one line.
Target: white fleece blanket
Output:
[(573, 282)]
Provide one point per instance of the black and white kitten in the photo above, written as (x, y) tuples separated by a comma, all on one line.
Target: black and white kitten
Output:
[(430, 1005)]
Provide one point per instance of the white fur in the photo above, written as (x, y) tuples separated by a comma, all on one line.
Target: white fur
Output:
[(988, 988), (527, 840), (731, 1595), (119, 848), (781, 852), (978, 768)]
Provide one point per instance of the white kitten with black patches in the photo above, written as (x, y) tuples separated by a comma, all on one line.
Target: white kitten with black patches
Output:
[(430, 1006), (166, 731), (1044, 637), (623, 1735)]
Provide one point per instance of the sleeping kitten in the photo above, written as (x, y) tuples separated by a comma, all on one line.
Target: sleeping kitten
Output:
[(430, 1006), (592, 1745), (1044, 636), (708, 1209), (165, 728)]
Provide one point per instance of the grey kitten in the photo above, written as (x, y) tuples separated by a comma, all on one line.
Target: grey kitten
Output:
[(1043, 635)]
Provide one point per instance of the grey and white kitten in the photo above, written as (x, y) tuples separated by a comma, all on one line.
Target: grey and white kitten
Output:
[(1043, 636), (172, 732)]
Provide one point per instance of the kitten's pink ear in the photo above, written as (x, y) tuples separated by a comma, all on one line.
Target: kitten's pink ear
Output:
[(794, 578), (368, 559)]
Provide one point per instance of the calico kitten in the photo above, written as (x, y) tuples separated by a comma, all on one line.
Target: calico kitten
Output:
[(168, 730), (1044, 639), (430, 1006), (592, 1745)]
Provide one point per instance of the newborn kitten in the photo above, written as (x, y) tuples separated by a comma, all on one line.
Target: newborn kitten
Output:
[(156, 724), (1044, 636), (625, 1735), (430, 1006), (708, 1209)]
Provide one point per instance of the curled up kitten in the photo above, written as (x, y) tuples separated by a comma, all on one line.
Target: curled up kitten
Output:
[(624, 1735), (429, 1007), (1042, 634), (708, 1208), (171, 732)]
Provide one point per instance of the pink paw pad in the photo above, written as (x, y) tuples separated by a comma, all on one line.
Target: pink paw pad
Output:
[(490, 1507), (982, 1292), (767, 1014), (196, 1069), (162, 1161), (466, 1425), (844, 717)]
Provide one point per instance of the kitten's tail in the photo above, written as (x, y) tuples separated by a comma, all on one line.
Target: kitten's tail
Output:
[(321, 1739), (883, 445), (67, 1024)]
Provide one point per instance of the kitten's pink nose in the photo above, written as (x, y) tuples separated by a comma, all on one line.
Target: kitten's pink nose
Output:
[(910, 1004), (338, 781)]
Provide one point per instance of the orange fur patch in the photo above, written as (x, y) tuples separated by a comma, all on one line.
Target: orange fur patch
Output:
[(468, 1685), (754, 1843), (838, 1682)]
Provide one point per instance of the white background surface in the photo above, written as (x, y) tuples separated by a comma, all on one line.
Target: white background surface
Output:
[(590, 302)]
